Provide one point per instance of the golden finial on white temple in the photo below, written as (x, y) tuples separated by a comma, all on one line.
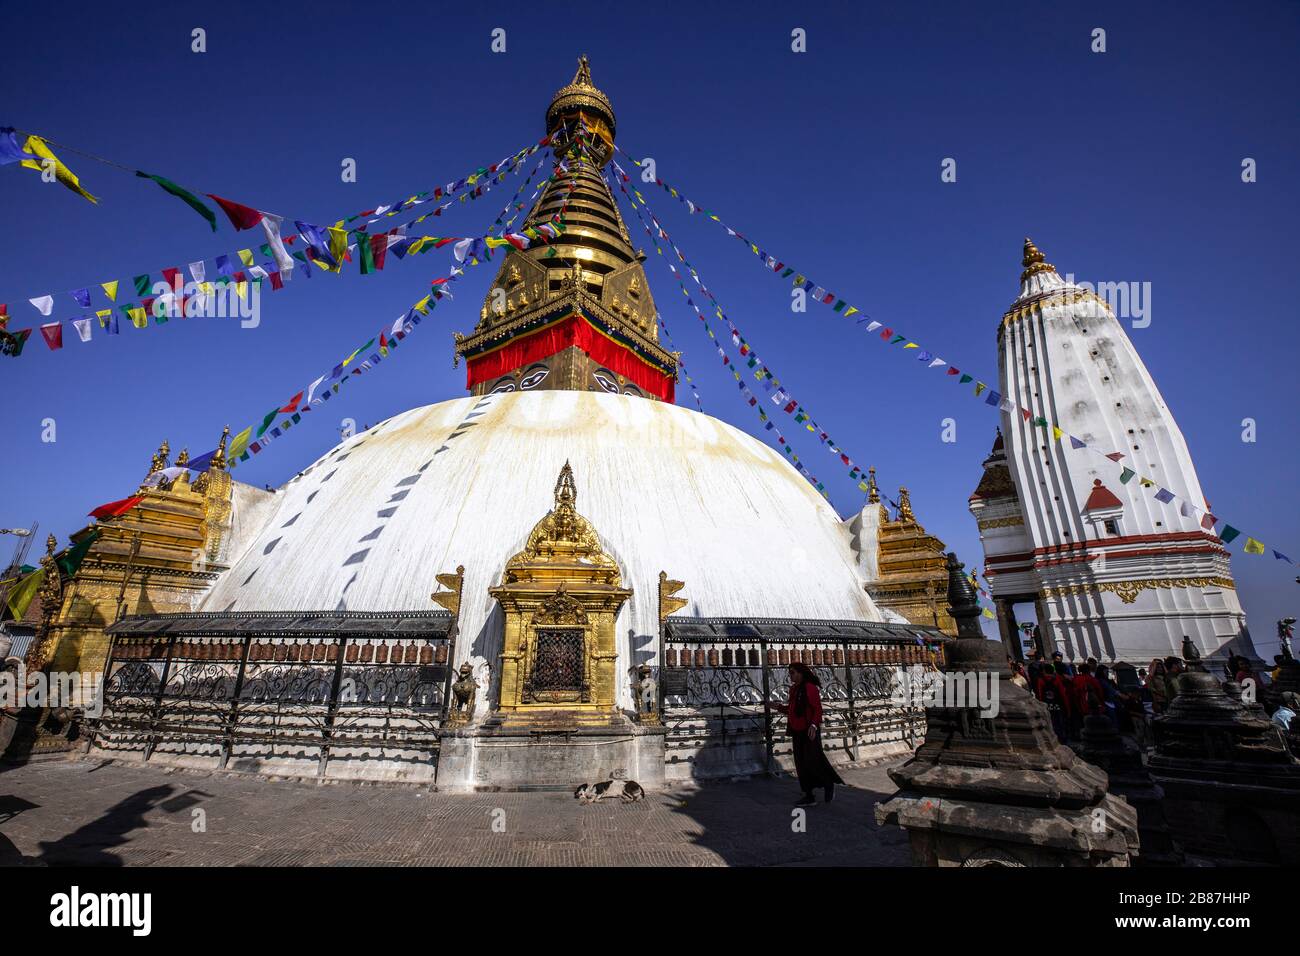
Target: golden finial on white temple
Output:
[(1034, 261)]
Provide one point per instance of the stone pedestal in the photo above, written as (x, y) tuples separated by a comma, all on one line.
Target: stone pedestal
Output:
[(999, 790), (519, 757), (1121, 759), (1232, 786)]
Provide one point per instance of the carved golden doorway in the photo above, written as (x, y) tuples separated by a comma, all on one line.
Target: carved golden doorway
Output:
[(560, 597)]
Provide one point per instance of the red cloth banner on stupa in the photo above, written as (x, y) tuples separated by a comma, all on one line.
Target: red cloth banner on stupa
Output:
[(572, 331)]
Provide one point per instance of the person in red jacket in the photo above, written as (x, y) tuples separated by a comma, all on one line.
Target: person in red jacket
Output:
[(1089, 697), (1051, 690), (804, 712)]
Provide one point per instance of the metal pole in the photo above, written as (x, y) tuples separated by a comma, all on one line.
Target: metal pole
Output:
[(852, 743), (335, 687), (767, 706), (157, 706), (234, 703)]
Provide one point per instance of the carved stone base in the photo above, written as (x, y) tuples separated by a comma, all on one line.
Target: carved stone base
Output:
[(515, 756)]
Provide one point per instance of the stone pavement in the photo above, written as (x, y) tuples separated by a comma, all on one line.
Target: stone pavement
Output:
[(86, 812)]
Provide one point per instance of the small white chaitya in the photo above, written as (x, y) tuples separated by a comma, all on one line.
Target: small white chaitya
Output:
[(1115, 573)]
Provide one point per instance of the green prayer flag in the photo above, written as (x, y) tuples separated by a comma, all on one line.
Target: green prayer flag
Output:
[(1040, 421), (1126, 476), (185, 196), (1228, 533), (72, 558), (964, 379), (266, 422), (142, 284), (367, 255)]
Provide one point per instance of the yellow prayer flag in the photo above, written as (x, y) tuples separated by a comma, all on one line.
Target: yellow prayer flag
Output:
[(1253, 546), (338, 246), (110, 290), (103, 315), (910, 345), (246, 256), (242, 289), (64, 175), (21, 596), (138, 317), (240, 444), (850, 311), (423, 305), (1057, 433)]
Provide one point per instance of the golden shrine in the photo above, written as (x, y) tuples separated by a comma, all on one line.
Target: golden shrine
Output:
[(560, 596), (913, 575)]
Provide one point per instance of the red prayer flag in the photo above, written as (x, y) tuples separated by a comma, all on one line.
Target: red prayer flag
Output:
[(292, 406), (241, 217), (953, 370), (276, 281), (379, 249), (1025, 412), (53, 334), (169, 276), (115, 508), (1115, 455), (1208, 522)]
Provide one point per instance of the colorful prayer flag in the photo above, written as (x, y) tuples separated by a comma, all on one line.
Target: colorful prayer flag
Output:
[(37, 146), (185, 196), (241, 217), (25, 590), (52, 332), (115, 508)]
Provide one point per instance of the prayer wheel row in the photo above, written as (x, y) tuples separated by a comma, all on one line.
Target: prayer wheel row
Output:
[(139, 650), (783, 656), (365, 652)]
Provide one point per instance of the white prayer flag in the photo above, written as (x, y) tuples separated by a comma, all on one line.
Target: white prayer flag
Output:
[(83, 328), (271, 226), (43, 303)]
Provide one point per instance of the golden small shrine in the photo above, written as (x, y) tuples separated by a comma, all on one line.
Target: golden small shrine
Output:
[(913, 577), (560, 596)]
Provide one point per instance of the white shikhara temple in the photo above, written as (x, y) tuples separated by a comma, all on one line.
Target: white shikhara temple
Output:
[(1114, 573)]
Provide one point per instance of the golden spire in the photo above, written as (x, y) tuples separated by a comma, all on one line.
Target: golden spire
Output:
[(1034, 261), (873, 493), (219, 456), (566, 492), (905, 505), (582, 96), (183, 458)]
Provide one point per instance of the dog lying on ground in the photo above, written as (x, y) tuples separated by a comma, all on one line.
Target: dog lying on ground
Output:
[(629, 791)]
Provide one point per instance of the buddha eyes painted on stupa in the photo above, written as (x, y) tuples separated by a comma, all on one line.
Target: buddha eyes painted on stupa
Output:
[(533, 377)]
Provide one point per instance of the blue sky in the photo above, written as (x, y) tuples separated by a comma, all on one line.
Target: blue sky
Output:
[(1123, 166)]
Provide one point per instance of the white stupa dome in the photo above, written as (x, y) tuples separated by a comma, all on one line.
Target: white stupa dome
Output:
[(462, 482)]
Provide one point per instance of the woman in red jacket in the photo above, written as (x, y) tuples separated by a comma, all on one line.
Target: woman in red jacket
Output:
[(804, 712)]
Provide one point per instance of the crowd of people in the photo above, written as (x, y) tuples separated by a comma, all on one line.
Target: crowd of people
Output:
[(1129, 700)]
